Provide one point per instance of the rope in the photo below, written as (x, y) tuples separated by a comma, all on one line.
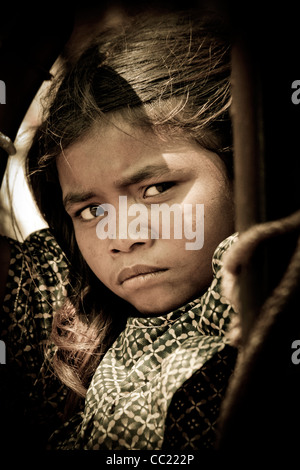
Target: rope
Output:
[(239, 254)]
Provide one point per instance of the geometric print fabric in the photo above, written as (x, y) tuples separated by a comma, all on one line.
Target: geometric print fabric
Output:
[(131, 391)]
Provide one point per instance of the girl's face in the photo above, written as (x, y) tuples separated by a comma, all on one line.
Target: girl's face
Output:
[(154, 271)]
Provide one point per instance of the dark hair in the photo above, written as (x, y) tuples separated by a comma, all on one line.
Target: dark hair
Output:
[(168, 73)]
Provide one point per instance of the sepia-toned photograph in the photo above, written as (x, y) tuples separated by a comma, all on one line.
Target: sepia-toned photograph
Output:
[(149, 231)]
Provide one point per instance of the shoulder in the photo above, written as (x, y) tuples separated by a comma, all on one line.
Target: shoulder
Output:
[(4, 265), (41, 242), (38, 256), (192, 417), (36, 280)]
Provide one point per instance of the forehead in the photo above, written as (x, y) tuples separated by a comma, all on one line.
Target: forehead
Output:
[(113, 151), (108, 148)]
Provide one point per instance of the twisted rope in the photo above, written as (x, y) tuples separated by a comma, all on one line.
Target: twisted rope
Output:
[(239, 254)]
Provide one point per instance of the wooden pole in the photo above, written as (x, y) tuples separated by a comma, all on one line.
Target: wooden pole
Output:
[(258, 422)]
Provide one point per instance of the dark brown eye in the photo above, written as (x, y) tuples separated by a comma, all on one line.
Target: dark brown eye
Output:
[(92, 212), (156, 189)]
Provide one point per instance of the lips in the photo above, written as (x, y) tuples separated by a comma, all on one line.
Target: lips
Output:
[(138, 270)]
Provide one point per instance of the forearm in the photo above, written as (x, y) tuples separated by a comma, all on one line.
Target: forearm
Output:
[(4, 265)]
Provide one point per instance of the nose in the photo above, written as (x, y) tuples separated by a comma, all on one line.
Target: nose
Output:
[(118, 245), (129, 229)]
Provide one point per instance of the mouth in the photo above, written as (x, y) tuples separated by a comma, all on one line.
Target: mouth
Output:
[(138, 271)]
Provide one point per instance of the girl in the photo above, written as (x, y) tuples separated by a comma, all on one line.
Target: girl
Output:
[(141, 116)]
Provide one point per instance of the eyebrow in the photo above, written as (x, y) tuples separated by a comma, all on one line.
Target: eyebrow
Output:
[(149, 171), (74, 198)]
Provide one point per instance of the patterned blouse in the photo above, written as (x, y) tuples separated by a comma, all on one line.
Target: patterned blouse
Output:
[(159, 386)]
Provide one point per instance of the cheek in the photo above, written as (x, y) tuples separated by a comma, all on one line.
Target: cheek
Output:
[(193, 267), (93, 251), (216, 197), (215, 223), (220, 213)]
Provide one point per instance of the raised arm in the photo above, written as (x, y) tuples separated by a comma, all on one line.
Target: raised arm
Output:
[(4, 266)]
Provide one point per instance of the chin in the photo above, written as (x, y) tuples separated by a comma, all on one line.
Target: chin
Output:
[(153, 312), (158, 308)]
